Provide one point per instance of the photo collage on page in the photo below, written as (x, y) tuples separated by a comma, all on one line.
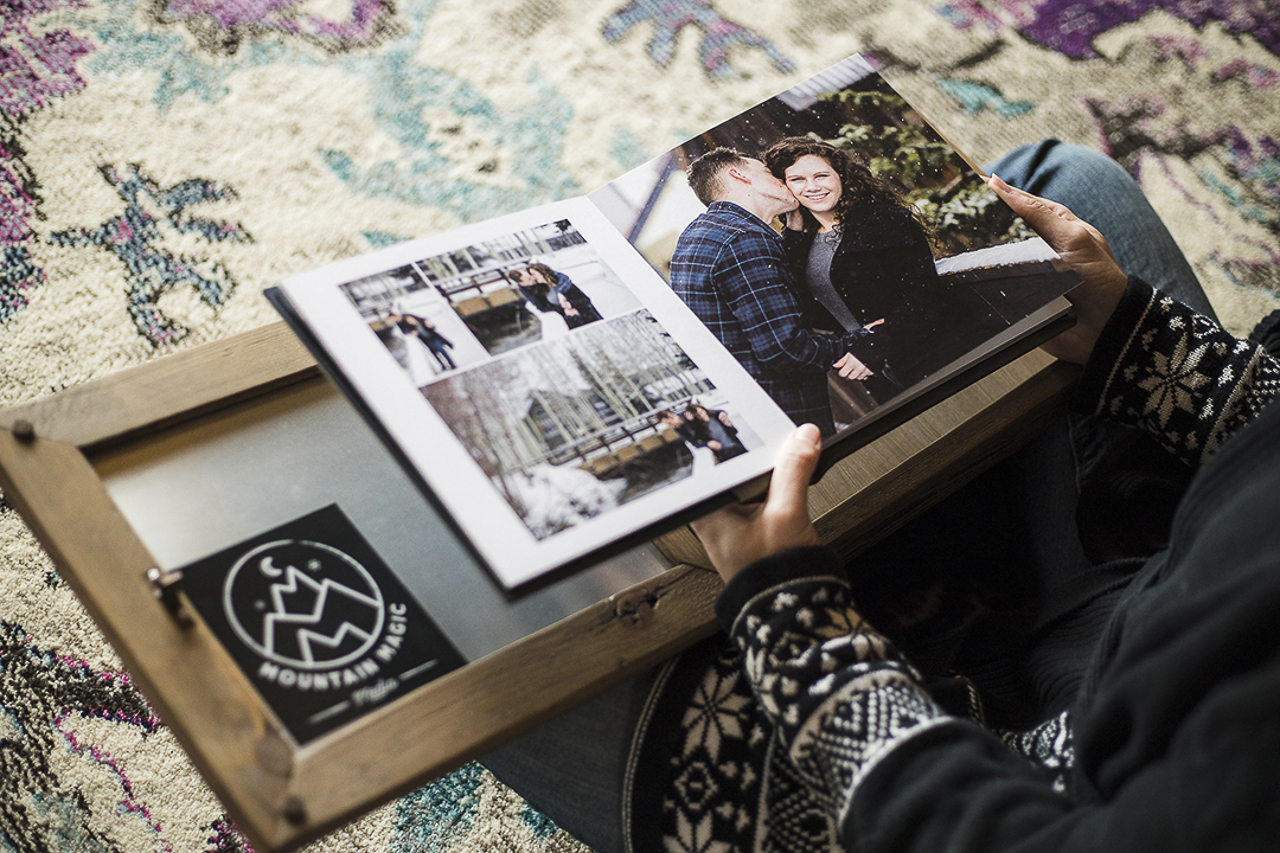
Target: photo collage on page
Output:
[(566, 393)]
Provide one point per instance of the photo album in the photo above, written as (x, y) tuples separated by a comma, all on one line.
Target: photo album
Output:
[(566, 380)]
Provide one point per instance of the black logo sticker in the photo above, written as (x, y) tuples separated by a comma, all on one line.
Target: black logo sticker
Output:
[(318, 622)]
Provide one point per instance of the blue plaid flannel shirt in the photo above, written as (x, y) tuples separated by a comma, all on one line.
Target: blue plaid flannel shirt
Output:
[(730, 269)]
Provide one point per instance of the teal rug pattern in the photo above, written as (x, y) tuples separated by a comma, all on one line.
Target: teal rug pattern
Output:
[(162, 161)]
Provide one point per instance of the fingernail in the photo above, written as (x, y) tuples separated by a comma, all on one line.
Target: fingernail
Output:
[(997, 182), (808, 433)]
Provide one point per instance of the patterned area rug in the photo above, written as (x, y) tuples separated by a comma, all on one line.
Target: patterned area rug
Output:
[(161, 161)]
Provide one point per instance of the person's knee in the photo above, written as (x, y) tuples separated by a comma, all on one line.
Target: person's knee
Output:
[(1021, 166), (1086, 162), (1036, 167)]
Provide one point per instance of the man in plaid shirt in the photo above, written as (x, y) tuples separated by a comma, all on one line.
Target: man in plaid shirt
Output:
[(730, 269)]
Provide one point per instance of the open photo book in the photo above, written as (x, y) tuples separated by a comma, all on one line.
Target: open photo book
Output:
[(566, 380)]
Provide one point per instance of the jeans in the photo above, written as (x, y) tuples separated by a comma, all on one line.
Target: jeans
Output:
[(1020, 518)]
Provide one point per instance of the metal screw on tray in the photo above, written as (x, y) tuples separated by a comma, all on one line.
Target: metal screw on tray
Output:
[(164, 586), (294, 811), (24, 431)]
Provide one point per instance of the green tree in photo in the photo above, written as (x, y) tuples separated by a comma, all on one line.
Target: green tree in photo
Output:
[(897, 144)]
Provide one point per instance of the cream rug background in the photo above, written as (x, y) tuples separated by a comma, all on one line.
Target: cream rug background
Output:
[(162, 161)]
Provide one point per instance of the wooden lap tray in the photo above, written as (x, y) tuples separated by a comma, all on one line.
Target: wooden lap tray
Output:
[(74, 464)]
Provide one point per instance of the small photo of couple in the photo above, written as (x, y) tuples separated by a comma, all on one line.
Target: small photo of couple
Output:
[(561, 304), (835, 245), (414, 323), (708, 433), (527, 286), (460, 308)]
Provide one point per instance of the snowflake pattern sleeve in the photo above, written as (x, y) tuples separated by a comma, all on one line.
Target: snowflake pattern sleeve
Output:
[(1049, 745), (839, 694), (1176, 374)]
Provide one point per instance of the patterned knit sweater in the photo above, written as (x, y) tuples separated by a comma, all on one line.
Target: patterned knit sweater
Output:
[(808, 731)]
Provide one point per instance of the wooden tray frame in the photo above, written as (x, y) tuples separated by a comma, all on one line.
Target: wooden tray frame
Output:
[(282, 796)]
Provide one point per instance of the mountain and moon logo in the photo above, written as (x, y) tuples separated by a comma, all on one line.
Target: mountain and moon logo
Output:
[(310, 606), (320, 624)]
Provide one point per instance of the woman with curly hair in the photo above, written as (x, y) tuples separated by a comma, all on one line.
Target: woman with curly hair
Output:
[(867, 257), (569, 299)]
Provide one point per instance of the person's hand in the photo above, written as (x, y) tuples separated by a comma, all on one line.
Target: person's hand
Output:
[(715, 445), (849, 367), (738, 535), (873, 323), (1085, 250), (794, 220)]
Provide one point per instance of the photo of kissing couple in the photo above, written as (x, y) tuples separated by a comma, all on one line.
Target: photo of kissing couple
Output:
[(835, 245)]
